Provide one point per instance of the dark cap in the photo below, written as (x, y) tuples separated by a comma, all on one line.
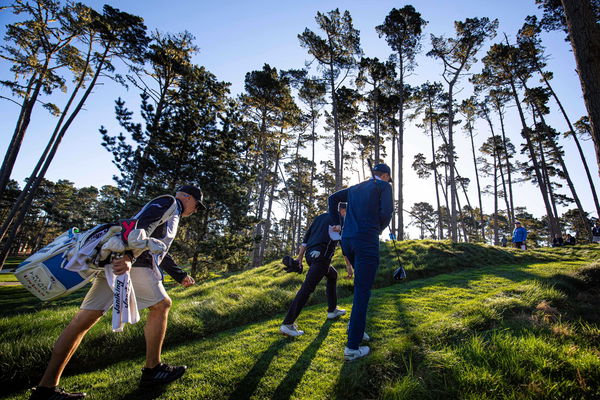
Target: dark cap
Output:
[(195, 192), (384, 169), (342, 205)]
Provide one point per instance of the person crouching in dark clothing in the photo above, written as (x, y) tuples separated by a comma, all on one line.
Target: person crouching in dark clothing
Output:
[(320, 241), (557, 241)]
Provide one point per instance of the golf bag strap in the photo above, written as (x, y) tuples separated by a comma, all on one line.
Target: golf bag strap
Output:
[(166, 215)]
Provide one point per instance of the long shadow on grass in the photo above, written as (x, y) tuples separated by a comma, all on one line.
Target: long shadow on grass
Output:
[(294, 376), (356, 378), (248, 385)]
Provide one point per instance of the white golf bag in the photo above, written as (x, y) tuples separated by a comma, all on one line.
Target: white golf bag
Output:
[(44, 273)]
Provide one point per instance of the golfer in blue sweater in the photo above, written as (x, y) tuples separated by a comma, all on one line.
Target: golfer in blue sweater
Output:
[(370, 206)]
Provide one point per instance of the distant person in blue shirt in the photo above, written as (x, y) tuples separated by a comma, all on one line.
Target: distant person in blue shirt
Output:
[(320, 241), (519, 236), (370, 206)]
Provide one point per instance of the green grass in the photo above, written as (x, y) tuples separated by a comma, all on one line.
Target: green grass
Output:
[(8, 277), (445, 335)]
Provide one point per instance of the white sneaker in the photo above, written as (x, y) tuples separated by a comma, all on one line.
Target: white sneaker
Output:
[(350, 354), (290, 330), (338, 312)]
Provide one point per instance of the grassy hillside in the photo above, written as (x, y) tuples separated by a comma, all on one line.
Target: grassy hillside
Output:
[(424, 330)]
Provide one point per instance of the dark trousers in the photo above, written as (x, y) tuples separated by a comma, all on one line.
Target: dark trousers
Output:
[(318, 268), (364, 256)]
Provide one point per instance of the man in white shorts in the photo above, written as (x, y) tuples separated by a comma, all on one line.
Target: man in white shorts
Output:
[(149, 293)]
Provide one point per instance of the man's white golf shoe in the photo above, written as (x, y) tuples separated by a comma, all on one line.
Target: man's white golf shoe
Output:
[(350, 354), (290, 330), (338, 312)]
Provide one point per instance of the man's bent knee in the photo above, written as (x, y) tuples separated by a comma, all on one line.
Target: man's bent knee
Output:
[(85, 319), (163, 305)]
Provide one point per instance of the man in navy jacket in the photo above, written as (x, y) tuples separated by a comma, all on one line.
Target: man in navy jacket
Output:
[(370, 206)]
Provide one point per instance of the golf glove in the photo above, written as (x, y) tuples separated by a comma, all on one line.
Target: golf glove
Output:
[(314, 253), (113, 245)]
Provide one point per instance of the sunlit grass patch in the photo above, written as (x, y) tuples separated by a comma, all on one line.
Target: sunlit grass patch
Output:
[(8, 277)]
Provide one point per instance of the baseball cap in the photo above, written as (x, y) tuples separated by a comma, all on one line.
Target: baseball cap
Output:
[(517, 223), (195, 192), (383, 168)]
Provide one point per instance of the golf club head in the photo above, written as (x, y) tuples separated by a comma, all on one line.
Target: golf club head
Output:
[(399, 274)]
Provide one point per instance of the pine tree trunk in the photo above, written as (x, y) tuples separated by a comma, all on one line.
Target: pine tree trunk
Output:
[(435, 176), (22, 124), (453, 192), (394, 231), (547, 181), (376, 125), (21, 199), (584, 34), (258, 231), (399, 178), (265, 239), (478, 184), (462, 219), (496, 237), (567, 177), (574, 136), (500, 167), (32, 192), (311, 205), (336, 133), (532, 155), (511, 209)]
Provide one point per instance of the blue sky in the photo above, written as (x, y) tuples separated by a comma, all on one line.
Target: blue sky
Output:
[(236, 37)]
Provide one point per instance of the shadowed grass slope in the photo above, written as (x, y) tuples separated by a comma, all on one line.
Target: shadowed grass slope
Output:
[(511, 331), (29, 328)]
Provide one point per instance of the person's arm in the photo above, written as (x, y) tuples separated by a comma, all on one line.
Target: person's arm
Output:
[(349, 268), (386, 206), (170, 267), (301, 251), (332, 205)]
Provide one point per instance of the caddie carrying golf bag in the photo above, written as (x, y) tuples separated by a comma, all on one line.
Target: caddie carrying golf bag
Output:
[(44, 273), (73, 259)]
